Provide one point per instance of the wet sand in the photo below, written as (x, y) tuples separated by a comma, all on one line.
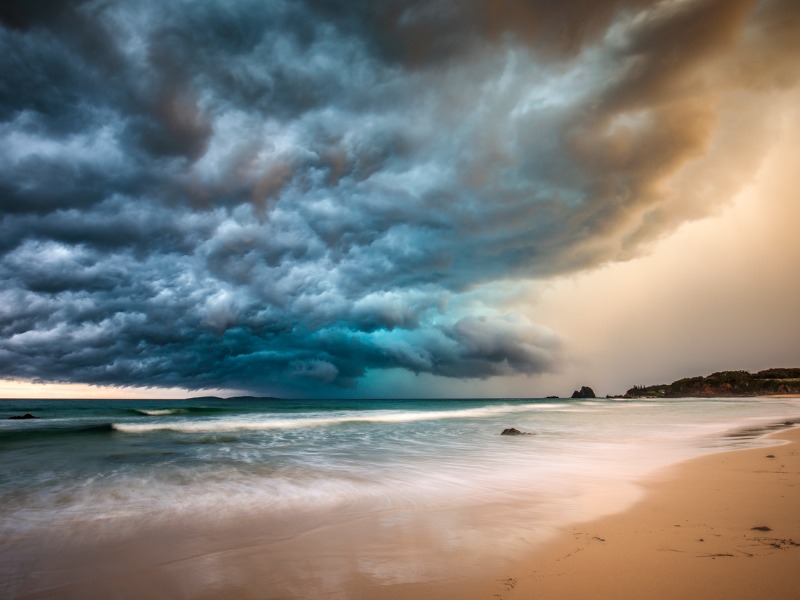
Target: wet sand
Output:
[(723, 526)]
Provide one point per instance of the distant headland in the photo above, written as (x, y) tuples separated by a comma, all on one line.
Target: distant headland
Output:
[(770, 382)]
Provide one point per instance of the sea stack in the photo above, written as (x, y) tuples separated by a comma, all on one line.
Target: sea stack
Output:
[(585, 392)]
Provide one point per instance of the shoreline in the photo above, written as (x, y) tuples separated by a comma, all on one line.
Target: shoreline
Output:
[(724, 526), (607, 540)]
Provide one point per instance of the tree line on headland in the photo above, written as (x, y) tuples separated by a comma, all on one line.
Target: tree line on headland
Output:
[(769, 382)]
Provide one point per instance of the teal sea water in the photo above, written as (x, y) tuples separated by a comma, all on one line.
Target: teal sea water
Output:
[(411, 482)]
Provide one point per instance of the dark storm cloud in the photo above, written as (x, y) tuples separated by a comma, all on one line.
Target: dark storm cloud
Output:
[(285, 195)]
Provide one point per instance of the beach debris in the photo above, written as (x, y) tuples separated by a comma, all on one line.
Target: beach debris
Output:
[(584, 392), (761, 528), (778, 544), (770, 456), (781, 544), (25, 416), (514, 431)]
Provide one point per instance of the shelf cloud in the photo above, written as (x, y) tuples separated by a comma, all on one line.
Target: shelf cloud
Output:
[(283, 196)]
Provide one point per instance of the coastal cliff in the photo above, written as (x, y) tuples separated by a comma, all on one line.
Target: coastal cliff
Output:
[(725, 384)]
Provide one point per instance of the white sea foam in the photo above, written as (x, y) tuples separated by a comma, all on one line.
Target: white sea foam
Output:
[(160, 412), (434, 482), (261, 424)]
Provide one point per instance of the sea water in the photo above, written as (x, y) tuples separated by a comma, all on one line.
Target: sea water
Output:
[(304, 497)]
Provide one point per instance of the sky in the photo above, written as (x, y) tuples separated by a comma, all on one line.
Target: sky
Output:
[(347, 198)]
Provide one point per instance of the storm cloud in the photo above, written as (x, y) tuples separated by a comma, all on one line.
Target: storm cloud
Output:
[(282, 196)]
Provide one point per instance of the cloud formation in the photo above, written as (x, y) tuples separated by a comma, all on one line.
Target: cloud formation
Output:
[(282, 196)]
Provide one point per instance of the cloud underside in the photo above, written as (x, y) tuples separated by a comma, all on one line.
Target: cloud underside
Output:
[(285, 195)]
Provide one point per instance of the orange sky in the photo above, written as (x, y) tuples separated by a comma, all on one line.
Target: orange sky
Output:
[(721, 293)]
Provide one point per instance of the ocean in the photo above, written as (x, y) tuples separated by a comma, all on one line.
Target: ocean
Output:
[(317, 498)]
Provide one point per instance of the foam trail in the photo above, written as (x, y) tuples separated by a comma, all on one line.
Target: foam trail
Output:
[(212, 426)]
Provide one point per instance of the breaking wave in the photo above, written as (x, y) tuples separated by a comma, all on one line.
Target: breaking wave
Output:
[(217, 425)]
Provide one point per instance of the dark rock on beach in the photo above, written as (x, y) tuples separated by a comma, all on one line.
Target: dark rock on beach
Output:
[(585, 392), (25, 416), (513, 431)]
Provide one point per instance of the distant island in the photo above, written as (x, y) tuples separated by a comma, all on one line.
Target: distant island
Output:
[(769, 382), (232, 398)]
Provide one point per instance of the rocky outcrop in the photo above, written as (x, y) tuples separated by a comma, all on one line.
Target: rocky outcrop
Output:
[(513, 431), (25, 416), (584, 392)]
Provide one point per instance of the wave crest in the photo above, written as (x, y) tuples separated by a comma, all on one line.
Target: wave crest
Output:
[(213, 426)]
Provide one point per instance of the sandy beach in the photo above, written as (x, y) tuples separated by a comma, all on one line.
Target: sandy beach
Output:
[(721, 526)]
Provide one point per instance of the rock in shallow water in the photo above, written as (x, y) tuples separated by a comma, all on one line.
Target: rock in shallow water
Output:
[(513, 431), (25, 416)]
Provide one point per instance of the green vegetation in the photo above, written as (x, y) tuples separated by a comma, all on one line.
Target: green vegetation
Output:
[(724, 384)]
